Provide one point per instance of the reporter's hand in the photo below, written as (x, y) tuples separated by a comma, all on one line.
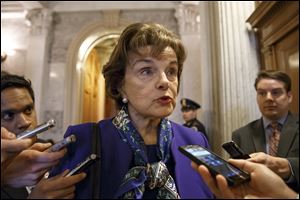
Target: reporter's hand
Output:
[(10, 146), (217, 185), (57, 187), (278, 165), (28, 167), (263, 183)]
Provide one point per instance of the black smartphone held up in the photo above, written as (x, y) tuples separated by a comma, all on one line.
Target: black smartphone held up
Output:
[(61, 144), (91, 159), (215, 164), (41, 128), (234, 150)]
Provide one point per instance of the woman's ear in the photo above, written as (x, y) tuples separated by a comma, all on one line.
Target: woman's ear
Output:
[(124, 97), (122, 92)]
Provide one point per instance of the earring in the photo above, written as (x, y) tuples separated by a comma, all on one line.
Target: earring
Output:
[(124, 100)]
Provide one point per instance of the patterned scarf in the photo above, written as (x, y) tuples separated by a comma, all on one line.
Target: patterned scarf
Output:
[(144, 174)]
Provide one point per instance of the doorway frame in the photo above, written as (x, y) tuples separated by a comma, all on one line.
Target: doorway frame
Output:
[(83, 42)]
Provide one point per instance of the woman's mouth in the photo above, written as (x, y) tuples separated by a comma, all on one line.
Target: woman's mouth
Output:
[(164, 100)]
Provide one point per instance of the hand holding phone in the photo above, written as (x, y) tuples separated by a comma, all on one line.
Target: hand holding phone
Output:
[(91, 159), (61, 144), (234, 150), (215, 164), (39, 129)]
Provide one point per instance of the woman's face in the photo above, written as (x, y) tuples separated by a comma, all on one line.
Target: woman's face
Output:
[(150, 84)]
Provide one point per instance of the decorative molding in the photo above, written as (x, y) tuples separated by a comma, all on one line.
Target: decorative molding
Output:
[(39, 21), (282, 31), (261, 12), (188, 17), (270, 16), (275, 21), (111, 18), (73, 75)]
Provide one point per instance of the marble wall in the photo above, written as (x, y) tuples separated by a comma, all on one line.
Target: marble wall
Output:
[(66, 26), (14, 41), (218, 73)]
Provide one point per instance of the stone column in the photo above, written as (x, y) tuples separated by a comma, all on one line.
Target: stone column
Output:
[(235, 65), (221, 66), (36, 69), (188, 18)]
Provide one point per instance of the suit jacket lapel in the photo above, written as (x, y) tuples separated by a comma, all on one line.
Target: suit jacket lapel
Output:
[(288, 133), (259, 138), (185, 176)]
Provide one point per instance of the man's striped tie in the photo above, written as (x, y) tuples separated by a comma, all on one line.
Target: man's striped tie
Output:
[(274, 139)]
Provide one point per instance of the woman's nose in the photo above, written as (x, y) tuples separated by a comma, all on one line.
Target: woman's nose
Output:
[(163, 82)]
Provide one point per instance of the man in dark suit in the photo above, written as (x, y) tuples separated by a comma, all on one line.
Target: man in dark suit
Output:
[(189, 110), (281, 154)]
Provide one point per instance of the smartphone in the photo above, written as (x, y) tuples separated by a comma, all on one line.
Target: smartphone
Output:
[(215, 164), (234, 150), (91, 159), (41, 128), (61, 144)]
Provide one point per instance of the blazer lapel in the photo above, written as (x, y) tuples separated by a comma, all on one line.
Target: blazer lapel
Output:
[(185, 176), (288, 133), (259, 138), (176, 142)]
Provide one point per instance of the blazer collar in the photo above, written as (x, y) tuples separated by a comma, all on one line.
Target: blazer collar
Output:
[(288, 134), (259, 138)]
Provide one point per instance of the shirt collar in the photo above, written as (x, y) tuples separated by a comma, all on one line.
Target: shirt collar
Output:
[(267, 121)]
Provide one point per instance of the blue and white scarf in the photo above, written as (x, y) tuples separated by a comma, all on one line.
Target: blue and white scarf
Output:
[(144, 174)]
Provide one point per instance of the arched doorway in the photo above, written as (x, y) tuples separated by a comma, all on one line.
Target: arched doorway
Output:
[(93, 36), (96, 105)]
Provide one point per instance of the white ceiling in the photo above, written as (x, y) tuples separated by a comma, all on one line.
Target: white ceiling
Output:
[(11, 6), (17, 9), (20, 6), (65, 6)]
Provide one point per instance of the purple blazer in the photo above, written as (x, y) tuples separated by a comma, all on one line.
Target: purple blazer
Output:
[(116, 157)]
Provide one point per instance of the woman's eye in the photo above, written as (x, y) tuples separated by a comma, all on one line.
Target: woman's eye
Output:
[(172, 72), (146, 71)]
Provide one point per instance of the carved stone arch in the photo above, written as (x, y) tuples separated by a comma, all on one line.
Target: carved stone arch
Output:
[(79, 48)]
